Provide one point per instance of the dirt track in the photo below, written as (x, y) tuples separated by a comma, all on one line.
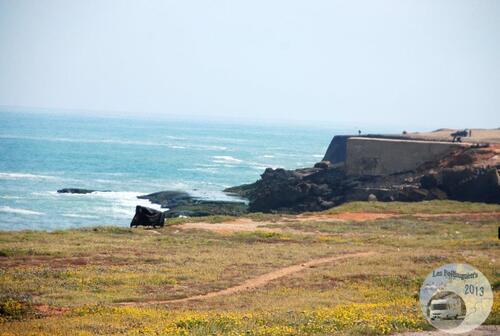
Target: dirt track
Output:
[(237, 225), (256, 282), (248, 225)]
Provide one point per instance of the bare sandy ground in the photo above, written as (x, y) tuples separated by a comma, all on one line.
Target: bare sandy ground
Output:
[(237, 225), (248, 225), (478, 135)]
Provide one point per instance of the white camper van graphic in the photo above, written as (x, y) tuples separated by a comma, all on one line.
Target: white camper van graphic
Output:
[(447, 305)]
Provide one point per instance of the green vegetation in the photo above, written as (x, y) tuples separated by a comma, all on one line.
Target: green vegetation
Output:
[(425, 207), (70, 282)]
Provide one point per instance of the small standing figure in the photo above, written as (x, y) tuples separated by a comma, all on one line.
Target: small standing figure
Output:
[(470, 133), (359, 132)]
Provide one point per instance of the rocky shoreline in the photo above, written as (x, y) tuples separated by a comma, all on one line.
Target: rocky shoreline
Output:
[(464, 173), (180, 203), (467, 174)]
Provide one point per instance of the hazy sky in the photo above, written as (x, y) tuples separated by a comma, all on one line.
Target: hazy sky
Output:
[(423, 63)]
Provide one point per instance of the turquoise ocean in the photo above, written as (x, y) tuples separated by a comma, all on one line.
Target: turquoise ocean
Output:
[(41, 153)]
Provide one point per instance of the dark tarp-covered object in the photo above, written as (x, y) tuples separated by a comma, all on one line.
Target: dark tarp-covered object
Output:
[(147, 217)]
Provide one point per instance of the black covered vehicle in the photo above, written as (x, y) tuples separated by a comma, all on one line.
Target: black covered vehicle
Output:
[(147, 217)]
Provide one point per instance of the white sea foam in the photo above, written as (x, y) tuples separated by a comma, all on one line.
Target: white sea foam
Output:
[(268, 156), (175, 137), (225, 159), (260, 167), (204, 165), (210, 170), (112, 174), (211, 147), (317, 155), (80, 216), (19, 211), (116, 211), (119, 204), (122, 203), (27, 176), (48, 193), (119, 142), (105, 141), (106, 181)]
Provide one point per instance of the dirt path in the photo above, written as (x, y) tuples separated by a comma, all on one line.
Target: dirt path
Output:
[(346, 216), (256, 282), (367, 216), (238, 225), (248, 225), (468, 215)]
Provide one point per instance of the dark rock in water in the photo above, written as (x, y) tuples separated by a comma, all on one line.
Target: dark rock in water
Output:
[(186, 213), (147, 217), (78, 191), (198, 208), (168, 199), (182, 204), (243, 190)]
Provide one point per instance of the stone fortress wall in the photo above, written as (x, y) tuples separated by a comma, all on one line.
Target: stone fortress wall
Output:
[(375, 155)]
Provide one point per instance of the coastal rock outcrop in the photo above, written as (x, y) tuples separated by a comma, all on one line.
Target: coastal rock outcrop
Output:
[(308, 189), (167, 199), (465, 175), (471, 184), (78, 191), (180, 203)]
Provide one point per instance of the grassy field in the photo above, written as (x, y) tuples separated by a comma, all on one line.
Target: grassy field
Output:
[(73, 282)]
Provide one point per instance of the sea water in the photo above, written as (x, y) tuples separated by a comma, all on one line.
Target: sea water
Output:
[(41, 153)]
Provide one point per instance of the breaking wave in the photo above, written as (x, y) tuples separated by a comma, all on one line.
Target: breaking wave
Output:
[(80, 216), (21, 176), (121, 142), (225, 159), (19, 211)]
